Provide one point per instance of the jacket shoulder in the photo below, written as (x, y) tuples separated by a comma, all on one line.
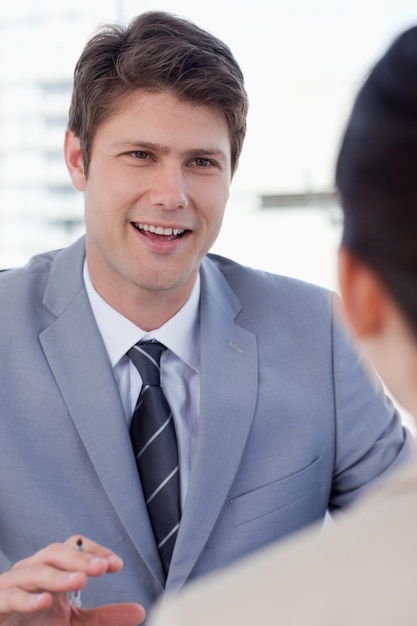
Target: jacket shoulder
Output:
[(260, 286)]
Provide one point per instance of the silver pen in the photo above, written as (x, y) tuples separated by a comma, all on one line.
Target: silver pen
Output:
[(75, 596)]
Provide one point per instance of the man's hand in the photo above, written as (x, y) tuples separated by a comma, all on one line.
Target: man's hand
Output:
[(35, 591)]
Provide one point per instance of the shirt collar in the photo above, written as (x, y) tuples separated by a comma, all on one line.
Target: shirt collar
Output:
[(181, 333)]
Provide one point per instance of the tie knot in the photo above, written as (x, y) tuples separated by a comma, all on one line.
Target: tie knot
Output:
[(146, 356)]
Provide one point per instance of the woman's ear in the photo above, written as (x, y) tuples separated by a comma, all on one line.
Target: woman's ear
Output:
[(74, 160), (362, 294)]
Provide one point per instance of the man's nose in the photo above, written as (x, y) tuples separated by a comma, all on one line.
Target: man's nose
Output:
[(169, 188)]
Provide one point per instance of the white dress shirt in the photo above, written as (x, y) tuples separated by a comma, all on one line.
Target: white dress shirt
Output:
[(180, 365)]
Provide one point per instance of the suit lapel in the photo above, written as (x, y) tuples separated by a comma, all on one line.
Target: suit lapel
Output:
[(229, 386), (87, 385)]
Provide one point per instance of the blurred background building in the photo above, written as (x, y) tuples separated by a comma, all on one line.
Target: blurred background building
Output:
[(39, 42), (303, 62)]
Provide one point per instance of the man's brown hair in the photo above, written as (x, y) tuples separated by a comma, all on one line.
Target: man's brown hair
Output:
[(157, 52)]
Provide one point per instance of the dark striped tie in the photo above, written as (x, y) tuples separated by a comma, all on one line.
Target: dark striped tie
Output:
[(155, 446)]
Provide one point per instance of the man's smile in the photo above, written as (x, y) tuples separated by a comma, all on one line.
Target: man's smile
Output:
[(159, 230)]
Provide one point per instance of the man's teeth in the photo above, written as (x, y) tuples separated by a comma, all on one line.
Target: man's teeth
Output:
[(158, 230)]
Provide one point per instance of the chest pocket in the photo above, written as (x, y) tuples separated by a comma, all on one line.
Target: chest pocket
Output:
[(277, 495)]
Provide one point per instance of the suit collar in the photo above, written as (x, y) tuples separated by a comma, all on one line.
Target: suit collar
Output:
[(65, 277)]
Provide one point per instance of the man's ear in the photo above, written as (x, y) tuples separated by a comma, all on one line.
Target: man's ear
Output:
[(74, 160), (362, 294)]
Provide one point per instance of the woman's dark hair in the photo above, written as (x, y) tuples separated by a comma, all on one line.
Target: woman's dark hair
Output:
[(157, 52), (376, 173)]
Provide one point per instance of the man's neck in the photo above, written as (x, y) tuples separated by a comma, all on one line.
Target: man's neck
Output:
[(149, 312), (147, 309)]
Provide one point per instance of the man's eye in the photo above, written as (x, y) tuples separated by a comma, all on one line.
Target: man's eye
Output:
[(201, 162), (140, 154)]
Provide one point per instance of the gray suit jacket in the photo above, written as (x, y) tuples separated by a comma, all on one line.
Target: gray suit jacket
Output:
[(289, 424)]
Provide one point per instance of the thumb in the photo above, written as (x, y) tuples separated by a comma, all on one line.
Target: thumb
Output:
[(124, 614)]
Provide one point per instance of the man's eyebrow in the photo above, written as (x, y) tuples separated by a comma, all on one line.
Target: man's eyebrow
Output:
[(138, 145), (215, 152)]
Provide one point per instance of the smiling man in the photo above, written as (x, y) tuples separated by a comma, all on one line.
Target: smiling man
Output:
[(164, 404), (155, 195)]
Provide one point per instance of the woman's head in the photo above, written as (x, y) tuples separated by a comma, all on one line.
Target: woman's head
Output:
[(376, 174)]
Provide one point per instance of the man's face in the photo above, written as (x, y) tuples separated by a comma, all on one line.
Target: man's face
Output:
[(157, 186)]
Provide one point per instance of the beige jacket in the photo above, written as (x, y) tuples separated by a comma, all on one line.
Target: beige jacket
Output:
[(362, 571)]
